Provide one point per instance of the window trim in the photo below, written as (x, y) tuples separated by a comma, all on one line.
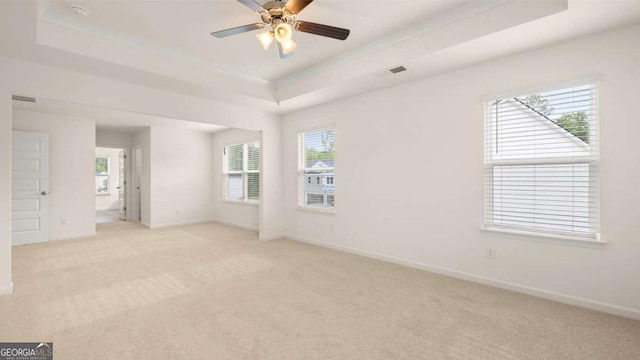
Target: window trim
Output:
[(561, 239), (244, 172), (242, 202), (594, 80), (330, 211), (302, 170), (593, 160)]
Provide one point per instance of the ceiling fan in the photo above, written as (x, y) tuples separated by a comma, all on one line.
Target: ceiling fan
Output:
[(279, 17)]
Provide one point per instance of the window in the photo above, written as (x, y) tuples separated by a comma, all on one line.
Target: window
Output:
[(242, 171), (316, 160), (541, 163), (102, 175)]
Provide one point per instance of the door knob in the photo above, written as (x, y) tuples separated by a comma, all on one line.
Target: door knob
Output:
[(43, 193)]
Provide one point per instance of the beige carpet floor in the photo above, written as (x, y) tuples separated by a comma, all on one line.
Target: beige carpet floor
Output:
[(107, 216), (214, 292)]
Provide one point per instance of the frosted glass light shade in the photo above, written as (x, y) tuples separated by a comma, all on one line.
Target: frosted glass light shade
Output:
[(266, 38), (288, 46), (283, 32)]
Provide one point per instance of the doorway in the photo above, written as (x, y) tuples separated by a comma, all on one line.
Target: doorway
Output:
[(110, 185)]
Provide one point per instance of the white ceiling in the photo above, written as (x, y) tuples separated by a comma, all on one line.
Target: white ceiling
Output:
[(167, 44), (182, 28)]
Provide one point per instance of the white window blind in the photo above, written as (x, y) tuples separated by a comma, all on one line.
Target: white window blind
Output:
[(316, 170), (242, 171), (541, 162)]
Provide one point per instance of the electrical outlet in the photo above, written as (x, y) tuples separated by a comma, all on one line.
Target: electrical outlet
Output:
[(63, 222), (491, 253)]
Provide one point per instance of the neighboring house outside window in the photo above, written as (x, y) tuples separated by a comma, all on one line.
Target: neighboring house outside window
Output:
[(541, 163), (241, 168), (316, 165)]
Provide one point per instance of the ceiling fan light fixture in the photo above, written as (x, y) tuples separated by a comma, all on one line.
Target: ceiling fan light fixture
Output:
[(279, 16), (266, 38), (288, 46), (283, 32)]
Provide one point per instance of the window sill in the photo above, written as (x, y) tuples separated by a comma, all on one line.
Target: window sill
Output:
[(317, 210), (549, 238), (242, 202), (103, 194)]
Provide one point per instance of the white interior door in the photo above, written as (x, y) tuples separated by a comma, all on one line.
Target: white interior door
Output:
[(29, 188), (122, 206)]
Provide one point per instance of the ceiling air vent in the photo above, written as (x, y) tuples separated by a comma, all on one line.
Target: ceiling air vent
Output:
[(398, 69), (23, 98)]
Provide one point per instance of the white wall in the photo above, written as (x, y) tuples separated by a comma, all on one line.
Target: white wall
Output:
[(271, 190), (181, 177), (108, 138), (71, 170), (429, 134), (240, 214), (6, 286), (110, 201)]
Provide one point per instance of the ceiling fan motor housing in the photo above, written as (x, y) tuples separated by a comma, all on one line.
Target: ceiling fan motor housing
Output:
[(274, 13)]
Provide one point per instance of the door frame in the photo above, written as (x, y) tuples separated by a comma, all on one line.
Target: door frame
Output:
[(136, 183), (127, 175)]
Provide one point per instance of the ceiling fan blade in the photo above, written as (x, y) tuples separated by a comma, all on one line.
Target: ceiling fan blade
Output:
[(252, 5), (322, 30), (295, 6), (237, 30)]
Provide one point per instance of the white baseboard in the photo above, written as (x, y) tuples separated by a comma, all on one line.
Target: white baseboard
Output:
[(545, 294), (180, 223), (73, 236), (271, 237), (236, 225), (252, 228), (6, 290)]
